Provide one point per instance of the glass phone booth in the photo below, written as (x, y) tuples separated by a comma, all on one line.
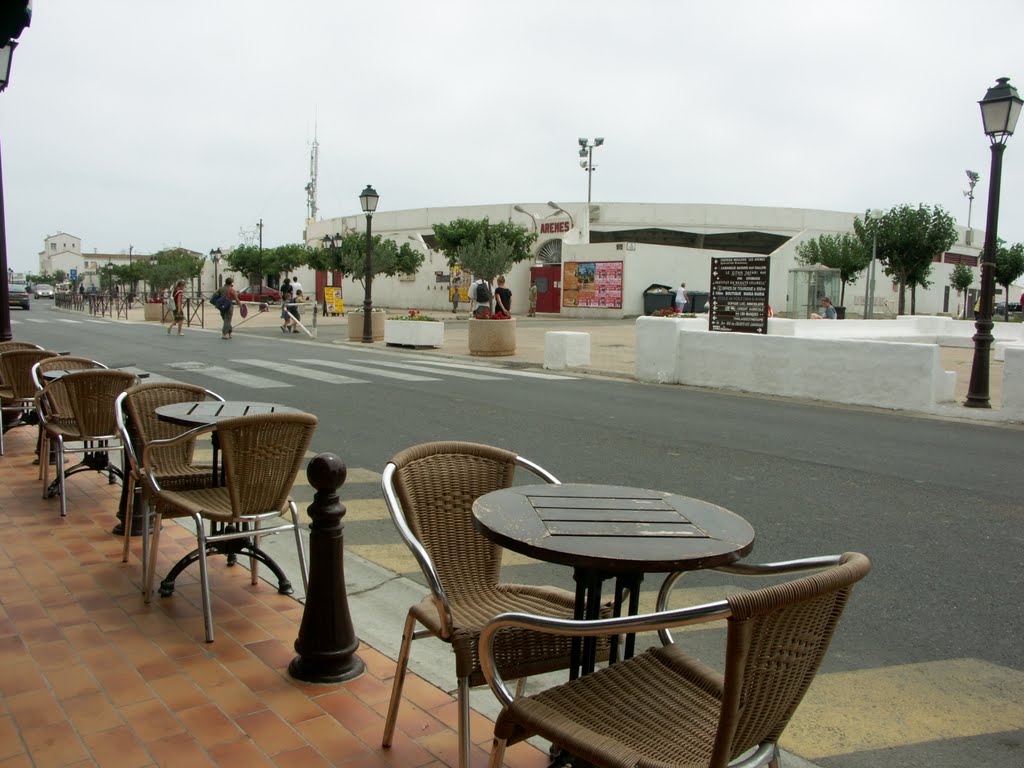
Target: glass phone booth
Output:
[(808, 286)]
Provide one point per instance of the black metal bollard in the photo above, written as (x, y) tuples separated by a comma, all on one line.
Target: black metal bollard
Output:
[(326, 643)]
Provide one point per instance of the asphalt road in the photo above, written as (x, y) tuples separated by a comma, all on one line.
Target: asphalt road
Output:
[(934, 503)]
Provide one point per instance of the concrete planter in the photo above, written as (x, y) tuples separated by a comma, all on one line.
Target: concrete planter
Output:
[(355, 325), (492, 338), (153, 312), (414, 333)]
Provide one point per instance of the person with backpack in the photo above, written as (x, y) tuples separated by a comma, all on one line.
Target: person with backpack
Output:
[(224, 301), (287, 295), (480, 294)]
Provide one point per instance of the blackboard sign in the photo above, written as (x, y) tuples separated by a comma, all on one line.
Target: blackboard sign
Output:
[(739, 295)]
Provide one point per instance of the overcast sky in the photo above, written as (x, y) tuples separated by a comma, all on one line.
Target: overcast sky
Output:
[(184, 122)]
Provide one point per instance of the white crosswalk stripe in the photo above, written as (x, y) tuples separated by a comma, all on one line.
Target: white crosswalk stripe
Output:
[(499, 371), (424, 369), (73, 322), (366, 369), (303, 373), (35, 320), (229, 375)]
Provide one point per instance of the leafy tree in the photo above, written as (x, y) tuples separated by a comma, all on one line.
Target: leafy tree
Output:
[(844, 252), (166, 267), (251, 261), (908, 241), (1009, 266), (286, 258), (962, 278), (349, 257), (478, 238)]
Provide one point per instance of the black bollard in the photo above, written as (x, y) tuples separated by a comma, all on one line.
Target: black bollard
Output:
[(326, 643)]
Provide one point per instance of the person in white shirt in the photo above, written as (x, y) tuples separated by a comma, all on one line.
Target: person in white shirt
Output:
[(681, 299), (296, 285), (473, 303)]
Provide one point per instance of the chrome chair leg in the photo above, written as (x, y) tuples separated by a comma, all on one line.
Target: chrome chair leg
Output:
[(154, 545), (297, 529), (401, 665), (464, 741), (204, 577), (129, 513), (497, 753), (60, 477)]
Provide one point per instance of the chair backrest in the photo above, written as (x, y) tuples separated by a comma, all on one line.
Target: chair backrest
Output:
[(8, 346), (777, 638), (16, 370), (91, 395), (142, 425), (262, 455), (61, 363), (436, 485)]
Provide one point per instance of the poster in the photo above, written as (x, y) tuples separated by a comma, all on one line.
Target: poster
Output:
[(333, 304), (592, 284)]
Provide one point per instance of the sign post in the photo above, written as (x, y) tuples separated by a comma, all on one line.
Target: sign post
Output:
[(739, 294)]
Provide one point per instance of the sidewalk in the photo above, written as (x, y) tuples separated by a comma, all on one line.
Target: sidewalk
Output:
[(90, 675)]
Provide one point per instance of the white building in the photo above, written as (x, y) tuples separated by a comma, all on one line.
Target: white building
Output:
[(631, 247)]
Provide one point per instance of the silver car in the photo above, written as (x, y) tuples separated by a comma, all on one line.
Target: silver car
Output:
[(42, 291)]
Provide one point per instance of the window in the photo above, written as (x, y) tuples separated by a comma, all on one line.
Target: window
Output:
[(53, 246)]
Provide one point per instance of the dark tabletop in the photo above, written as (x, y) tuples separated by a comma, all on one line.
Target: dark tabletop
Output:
[(211, 411), (612, 529)]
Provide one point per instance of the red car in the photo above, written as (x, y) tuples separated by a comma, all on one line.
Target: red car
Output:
[(263, 294)]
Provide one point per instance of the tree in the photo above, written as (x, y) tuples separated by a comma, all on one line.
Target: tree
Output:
[(349, 257), (168, 266), (251, 261), (844, 252), (962, 278), (908, 240), (1009, 266), (478, 238)]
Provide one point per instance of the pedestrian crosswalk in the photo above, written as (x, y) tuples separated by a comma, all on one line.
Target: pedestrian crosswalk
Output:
[(363, 370)]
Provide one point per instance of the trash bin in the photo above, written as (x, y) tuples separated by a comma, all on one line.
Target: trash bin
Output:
[(658, 297), (698, 301), (840, 313)]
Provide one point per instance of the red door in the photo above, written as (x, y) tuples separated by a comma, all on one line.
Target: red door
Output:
[(549, 287)]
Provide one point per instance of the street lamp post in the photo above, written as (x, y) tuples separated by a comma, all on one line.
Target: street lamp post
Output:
[(368, 200), (999, 112), (869, 276), (215, 255), (587, 164), (533, 218), (6, 56)]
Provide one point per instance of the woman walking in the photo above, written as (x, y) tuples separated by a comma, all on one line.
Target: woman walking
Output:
[(227, 311), (178, 302)]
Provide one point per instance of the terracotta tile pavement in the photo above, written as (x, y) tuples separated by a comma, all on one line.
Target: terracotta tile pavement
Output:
[(91, 676)]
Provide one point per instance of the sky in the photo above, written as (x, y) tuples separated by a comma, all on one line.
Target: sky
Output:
[(156, 124)]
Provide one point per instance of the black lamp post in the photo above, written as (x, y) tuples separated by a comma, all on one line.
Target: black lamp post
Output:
[(368, 200), (999, 112), (6, 56), (215, 255)]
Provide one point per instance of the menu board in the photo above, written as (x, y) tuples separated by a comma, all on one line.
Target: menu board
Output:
[(739, 294), (592, 284)]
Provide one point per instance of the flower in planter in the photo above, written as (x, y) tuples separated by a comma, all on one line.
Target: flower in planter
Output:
[(483, 313), (670, 312), (415, 314)]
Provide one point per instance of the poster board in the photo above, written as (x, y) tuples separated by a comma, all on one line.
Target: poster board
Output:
[(459, 284), (333, 303), (592, 284), (739, 294)]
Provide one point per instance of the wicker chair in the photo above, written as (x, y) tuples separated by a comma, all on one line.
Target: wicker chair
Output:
[(92, 427), (138, 425), (17, 392), (10, 346), (262, 456), (55, 406), (430, 490), (665, 708)]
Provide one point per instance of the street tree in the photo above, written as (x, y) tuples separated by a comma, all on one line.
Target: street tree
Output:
[(496, 246), (961, 278), (349, 257), (169, 265), (1009, 266), (252, 261), (287, 258), (908, 240), (844, 252)]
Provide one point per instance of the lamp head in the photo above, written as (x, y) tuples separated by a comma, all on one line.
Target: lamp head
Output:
[(598, 141), (972, 177), (518, 208), (368, 199), (556, 206), (999, 110), (6, 57), (583, 142)]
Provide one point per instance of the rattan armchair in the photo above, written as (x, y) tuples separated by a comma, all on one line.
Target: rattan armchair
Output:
[(9, 346), (55, 406), (261, 458), (430, 490), (17, 392), (91, 429), (664, 708), (138, 425)]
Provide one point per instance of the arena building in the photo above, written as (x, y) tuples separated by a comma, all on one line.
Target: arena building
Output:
[(599, 263)]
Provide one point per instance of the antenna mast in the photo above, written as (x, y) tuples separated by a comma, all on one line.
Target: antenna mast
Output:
[(314, 161)]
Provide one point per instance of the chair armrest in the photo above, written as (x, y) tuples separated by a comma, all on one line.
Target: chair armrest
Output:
[(155, 446), (423, 559), (538, 470), (644, 622), (779, 568)]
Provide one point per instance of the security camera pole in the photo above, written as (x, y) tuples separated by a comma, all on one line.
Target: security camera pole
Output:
[(587, 164)]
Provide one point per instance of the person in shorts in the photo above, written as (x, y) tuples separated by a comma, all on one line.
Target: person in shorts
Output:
[(178, 308)]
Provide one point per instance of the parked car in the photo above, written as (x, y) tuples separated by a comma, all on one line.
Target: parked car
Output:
[(19, 295), (1001, 308), (42, 291), (264, 294)]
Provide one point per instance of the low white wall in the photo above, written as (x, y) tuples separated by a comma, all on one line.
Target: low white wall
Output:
[(854, 371), (1013, 384)]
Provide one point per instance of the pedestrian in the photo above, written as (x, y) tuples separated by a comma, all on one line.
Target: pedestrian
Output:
[(828, 312), (681, 299), (296, 314), (533, 298), (229, 297), (296, 285), (479, 295), (287, 295), (81, 289), (502, 298), (456, 285), (977, 307), (178, 310)]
